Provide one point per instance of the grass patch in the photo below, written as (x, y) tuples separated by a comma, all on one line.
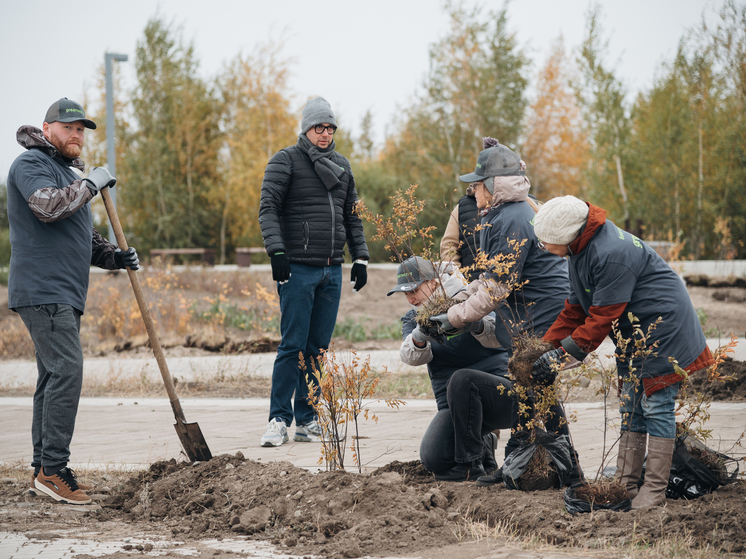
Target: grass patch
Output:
[(357, 330)]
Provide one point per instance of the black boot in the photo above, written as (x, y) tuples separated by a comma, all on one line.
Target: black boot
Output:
[(468, 471), (494, 479), (488, 461)]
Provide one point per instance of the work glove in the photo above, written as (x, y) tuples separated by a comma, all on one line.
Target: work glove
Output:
[(545, 368), (280, 267), (127, 259), (359, 275), (476, 327), (445, 325), (420, 337), (99, 178)]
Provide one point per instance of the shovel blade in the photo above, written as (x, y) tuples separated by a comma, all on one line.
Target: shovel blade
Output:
[(193, 441)]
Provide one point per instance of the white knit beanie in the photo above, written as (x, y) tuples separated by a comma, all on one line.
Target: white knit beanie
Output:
[(559, 221)]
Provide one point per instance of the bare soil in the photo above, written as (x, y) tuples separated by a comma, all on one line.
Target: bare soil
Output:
[(396, 510)]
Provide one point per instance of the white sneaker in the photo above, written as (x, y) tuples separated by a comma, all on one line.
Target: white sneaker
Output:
[(276, 434), (308, 433)]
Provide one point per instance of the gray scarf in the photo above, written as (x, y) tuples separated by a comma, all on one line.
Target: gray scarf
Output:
[(328, 172)]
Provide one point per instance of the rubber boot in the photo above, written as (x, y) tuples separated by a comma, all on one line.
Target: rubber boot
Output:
[(658, 469), (630, 459)]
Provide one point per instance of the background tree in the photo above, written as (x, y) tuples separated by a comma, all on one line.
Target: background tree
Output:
[(556, 149), (601, 99), (475, 87), (258, 122), (170, 165)]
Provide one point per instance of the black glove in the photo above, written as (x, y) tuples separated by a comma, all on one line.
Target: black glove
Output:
[(127, 259), (280, 267), (545, 368), (359, 275), (99, 178)]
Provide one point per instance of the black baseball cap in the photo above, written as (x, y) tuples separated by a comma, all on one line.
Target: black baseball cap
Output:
[(497, 161), (411, 273), (65, 110)]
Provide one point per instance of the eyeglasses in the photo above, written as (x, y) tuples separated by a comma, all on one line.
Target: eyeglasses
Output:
[(319, 129), (541, 245)]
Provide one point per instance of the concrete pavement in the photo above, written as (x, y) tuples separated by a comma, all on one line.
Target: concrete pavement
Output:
[(129, 433)]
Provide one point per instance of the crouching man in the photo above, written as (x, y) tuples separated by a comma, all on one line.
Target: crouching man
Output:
[(465, 372)]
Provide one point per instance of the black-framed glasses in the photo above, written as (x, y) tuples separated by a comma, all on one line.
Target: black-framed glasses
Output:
[(319, 129), (541, 245)]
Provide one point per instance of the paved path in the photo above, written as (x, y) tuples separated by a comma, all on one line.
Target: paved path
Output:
[(131, 433)]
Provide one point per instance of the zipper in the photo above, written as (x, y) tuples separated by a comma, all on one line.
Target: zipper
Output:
[(306, 236), (334, 227)]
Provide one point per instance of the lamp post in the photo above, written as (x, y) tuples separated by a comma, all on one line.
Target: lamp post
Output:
[(111, 154)]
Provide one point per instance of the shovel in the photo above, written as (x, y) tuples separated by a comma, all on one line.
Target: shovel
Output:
[(190, 434)]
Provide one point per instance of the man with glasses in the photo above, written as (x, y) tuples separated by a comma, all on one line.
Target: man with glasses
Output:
[(306, 215)]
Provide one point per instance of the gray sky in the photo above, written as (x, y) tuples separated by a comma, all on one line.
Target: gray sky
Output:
[(359, 55)]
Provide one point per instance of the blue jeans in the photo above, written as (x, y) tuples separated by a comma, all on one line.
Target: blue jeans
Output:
[(55, 331), (654, 414), (308, 302)]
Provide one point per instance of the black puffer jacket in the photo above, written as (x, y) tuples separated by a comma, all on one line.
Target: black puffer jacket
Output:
[(300, 217)]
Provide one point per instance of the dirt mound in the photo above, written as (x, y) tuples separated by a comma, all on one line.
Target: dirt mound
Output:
[(733, 389), (396, 509)]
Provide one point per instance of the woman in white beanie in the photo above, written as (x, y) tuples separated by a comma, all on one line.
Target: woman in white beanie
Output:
[(614, 275)]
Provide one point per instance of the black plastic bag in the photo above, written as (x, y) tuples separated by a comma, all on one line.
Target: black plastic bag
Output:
[(575, 505), (690, 478), (558, 449)]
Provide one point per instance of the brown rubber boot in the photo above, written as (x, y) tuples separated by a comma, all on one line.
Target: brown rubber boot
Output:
[(653, 491), (629, 460), (61, 487)]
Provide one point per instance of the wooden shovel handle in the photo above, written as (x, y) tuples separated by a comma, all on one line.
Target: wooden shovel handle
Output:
[(144, 311)]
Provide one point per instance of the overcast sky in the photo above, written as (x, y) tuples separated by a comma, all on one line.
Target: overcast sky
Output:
[(359, 55)]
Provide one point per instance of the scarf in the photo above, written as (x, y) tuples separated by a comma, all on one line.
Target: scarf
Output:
[(328, 171)]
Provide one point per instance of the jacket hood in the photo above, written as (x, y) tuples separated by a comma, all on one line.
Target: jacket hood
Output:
[(32, 137), (596, 218)]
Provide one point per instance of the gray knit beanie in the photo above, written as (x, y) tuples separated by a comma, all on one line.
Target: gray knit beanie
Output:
[(317, 111), (559, 221)]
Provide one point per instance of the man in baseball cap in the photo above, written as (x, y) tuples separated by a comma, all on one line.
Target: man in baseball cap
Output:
[(54, 244)]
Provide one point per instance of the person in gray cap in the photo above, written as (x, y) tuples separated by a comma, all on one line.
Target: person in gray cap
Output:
[(54, 244), (507, 216), (306, 216), (465, 371)]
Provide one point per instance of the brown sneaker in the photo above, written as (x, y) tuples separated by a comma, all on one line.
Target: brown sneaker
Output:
[(61, 487), (33, 491)]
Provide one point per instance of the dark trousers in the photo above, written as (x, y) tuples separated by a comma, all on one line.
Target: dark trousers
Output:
[(55, 331), (476, 408)]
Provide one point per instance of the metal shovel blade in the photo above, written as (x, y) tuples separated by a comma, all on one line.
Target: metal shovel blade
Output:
[(193, 442)]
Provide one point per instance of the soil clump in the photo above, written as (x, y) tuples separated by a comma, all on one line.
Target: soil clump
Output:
[(733, 389)]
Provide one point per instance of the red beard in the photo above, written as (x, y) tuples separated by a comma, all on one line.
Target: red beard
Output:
[(69, 150)]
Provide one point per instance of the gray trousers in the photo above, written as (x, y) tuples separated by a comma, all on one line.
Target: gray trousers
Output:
[(55, 331)]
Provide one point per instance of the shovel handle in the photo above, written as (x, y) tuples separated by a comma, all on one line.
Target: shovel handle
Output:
[(144, 311)]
